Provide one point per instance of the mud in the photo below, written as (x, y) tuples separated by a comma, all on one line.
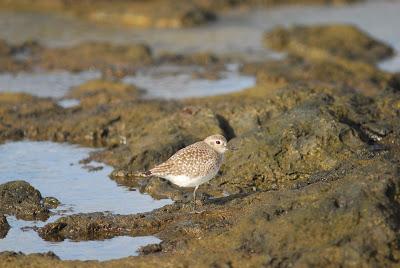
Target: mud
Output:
[(19, 198), (315, 181)]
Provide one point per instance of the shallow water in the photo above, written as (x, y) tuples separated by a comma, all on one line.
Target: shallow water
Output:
[(68, 103), (237, 32), (44, 84), (54, 170), (170, 82), (30, 242), (175, 82)]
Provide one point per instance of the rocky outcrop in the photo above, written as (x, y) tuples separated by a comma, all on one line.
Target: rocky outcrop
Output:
[(20, 199), (314, 182)]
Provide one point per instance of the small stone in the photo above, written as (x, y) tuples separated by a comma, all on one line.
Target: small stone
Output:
[(149, 249), (51, 202)]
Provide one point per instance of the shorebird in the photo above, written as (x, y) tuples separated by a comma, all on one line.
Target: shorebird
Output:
[(193, 165)]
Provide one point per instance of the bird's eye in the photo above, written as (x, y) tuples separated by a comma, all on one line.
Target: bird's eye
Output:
[(218, 142)]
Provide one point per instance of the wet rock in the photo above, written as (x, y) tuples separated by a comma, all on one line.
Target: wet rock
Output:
[(4, 226), (50, 202), (99, 226), (344, 41), (16, 106), (203, 59), (356, 75), (25, 105), (330, 53), (314, 181), (150, 249), (115, 61), (19, 198), (10, 255), (264, 223), (94, 55), (282, 151), (100, 92), (394, 82), (158, 13), (17, 57)]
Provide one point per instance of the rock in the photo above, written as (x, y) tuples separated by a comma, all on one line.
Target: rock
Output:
[(50, 202), (356, 75), (4, 226), (100, 92), (48, 256), (394, 82), (150, 249), (315, 181), (330, 53), (94, 55), (343, 41), (158, 14), (19, 198), (326, 216)]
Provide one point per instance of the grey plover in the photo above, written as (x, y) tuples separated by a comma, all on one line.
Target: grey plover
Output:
[(193, 165)]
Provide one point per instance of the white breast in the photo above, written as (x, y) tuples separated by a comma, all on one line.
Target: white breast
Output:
[(185, 181)]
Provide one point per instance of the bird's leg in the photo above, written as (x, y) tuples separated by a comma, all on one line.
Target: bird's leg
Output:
[(194, 197)]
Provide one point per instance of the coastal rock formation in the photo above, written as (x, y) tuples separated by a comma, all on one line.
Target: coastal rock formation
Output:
[(314, 182), (19, 198)]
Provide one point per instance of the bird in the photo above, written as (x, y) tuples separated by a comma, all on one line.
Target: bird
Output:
[(193, 165)]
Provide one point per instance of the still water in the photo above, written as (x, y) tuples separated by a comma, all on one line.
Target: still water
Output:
[(54, 170)]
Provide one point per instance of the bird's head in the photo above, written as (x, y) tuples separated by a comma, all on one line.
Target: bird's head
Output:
[(217, 142)]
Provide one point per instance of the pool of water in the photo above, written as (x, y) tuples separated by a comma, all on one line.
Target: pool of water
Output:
[(29, 242), (44, 84), (54, 170), (177, 82), (168, 82), (68, 103)]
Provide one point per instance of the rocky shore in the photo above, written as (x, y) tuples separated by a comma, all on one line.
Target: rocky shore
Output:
[(315, 181), (153, 13)]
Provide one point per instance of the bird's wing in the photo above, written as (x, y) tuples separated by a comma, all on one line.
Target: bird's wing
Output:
[(194, 154)]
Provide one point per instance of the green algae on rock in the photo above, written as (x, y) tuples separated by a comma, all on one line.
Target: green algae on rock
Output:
[(19, 198), (155, 13), (323, 218), (329, 53), (344, 41), (100, 92), (94, 55), (103, 56)]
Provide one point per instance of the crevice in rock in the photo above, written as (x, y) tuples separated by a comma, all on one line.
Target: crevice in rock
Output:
[(358, 128)]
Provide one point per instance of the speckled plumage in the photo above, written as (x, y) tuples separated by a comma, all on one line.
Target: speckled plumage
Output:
[(194, 164)]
